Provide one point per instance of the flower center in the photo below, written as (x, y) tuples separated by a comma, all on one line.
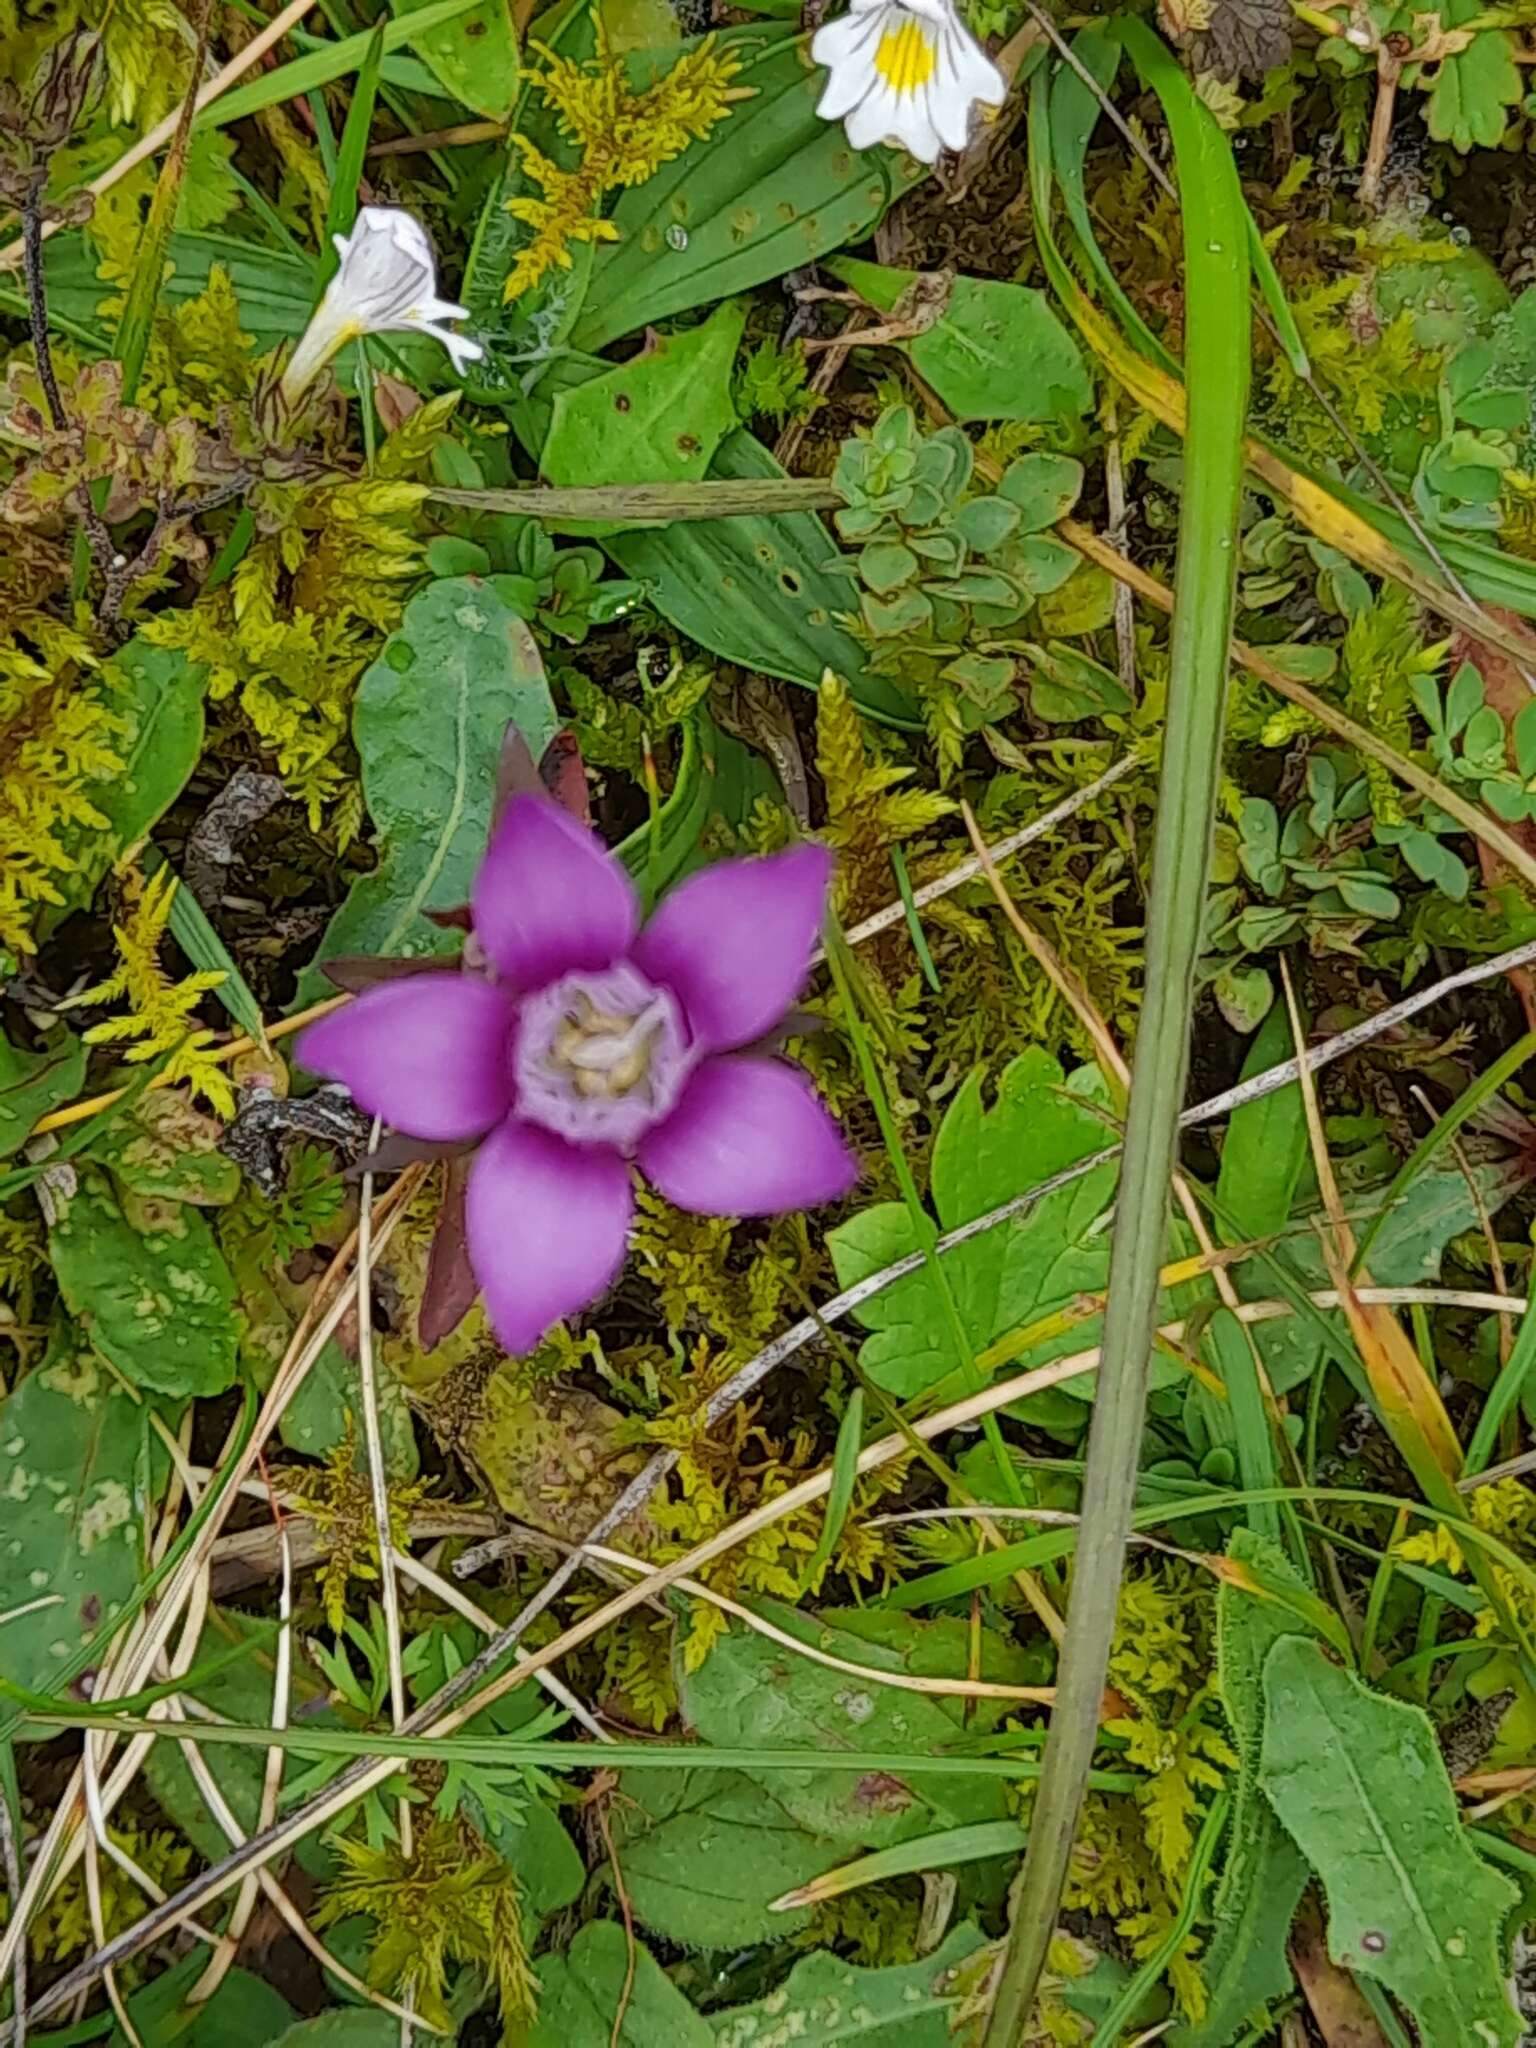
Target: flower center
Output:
[(599, 1058), (904, 57)]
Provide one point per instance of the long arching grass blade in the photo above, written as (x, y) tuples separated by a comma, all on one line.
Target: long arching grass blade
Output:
[(1216, 287)]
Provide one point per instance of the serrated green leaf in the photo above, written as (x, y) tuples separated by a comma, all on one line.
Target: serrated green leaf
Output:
[(1359, 1783), (825, 2002), (72, 1506), (579, 1995), (1245, 1964), (430, 716), (982, 1156), (1474, 87), (154, 1296)]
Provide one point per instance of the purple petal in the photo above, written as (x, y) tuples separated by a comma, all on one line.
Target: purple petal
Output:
[(549, 897), (548, 1224), (750, 1137), (735, 942), (428, 1054)]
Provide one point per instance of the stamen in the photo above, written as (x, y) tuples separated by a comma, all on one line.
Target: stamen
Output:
[(606, 1053)]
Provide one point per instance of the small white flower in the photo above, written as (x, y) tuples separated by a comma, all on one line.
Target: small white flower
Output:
[(386, 284), (906, 72)]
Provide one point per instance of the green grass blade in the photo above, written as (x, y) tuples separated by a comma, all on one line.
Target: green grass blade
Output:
[(322, 67), (342, 212), (940, 1851), (914, 922), (845, 1469), (1217, 361)]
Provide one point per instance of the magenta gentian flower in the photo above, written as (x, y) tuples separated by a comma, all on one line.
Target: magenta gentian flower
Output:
[(580, 1042)]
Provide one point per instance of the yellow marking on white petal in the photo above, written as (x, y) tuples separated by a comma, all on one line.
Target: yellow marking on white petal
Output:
[(904, 57)]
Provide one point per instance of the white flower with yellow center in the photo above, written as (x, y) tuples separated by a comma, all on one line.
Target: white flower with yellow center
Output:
[(906, 72), (386, 283)]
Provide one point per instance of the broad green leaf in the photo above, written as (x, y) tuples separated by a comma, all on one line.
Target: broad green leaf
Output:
[(245, 2012), (579, 1995), (749, 1693), (1012, 1274), (704, 1852), (276, 292), (163, 703), (771, 188), (162, 1147), (153, 1295), (361, 2027), (1245, 1963), (1361, 1786), (759, 591), (1043, 487), (33, 1083), (1266, 1143), (1068, 685), (73, 1498), (656, 419), (429, 721), (539, 1848), (996, 352), (474, 55), (826, 2002), (1407, 1253)]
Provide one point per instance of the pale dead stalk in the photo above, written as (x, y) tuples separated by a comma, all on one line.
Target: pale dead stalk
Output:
[(900, 1681), (378, 1480), (271, 1782)]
